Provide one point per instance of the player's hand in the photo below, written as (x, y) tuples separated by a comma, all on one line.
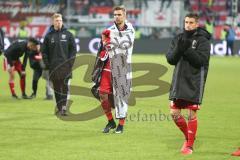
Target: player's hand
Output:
[(38, 57), (179, 46), (187, 44), (184, 44), (105, 37)]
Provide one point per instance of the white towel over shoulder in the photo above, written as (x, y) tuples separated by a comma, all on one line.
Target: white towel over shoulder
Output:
[(120, 52)]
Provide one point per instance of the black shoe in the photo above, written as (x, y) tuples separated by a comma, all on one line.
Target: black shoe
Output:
[(33, 95), (111, 125), (24, 96), (119, 129), (15, 96)]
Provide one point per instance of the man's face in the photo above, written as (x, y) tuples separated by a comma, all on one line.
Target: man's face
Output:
[(33, 47), (119, 17), (190, 24), (57, 23)]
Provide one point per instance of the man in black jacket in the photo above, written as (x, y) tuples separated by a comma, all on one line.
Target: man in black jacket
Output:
[(1, 41), (13, 54), (59, 51), (189, 53)]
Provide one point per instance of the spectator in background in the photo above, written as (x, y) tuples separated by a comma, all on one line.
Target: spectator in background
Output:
[(84, 33), (81, 7), (210, 3), (63, 9), (73, 31), (1, 41), (209, 26), (165, 33), (137, 33), (230, 38), (229, 7), (22, 30), (155, 33)]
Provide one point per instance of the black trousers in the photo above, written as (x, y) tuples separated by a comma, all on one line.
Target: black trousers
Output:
[(36, 76), (60, 87), (230, 45)]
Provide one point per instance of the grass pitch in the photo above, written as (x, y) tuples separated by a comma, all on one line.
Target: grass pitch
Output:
[(30, 131)]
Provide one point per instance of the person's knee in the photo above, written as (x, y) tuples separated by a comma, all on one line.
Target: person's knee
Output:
[(175, 113), (103, 96), (11, 77), (11, 74), (192, 114)]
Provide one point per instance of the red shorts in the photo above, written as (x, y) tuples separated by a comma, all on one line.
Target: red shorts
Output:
[(106, 82), (17, 65), (183, 104)]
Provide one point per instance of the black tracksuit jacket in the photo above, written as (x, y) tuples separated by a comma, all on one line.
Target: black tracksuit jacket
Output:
[(191, 67), (57, 49), (17, 50)]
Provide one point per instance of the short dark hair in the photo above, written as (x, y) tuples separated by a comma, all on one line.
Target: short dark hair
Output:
[(193, 15), (34, 41), (120, 8)]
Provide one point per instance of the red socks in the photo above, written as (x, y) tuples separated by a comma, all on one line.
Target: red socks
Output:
[(107, 109), (189, 130), (11, 85), (22, 84), (109, 116), (192, 130), (121, 121), (106, 105), (182, 125)]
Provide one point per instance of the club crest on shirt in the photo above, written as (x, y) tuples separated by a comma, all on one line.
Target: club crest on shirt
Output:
[(63, 36), (194, 44), (52, 40)]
